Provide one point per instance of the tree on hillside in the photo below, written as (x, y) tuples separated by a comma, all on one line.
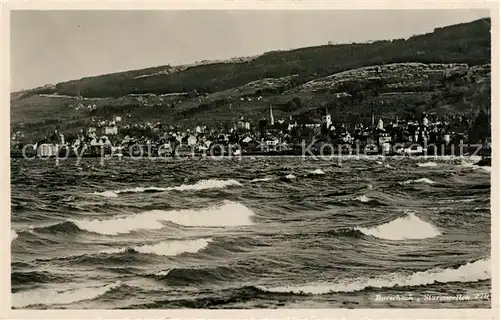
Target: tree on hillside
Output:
[(481, 128)]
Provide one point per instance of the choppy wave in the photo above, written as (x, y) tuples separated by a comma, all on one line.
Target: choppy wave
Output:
[(470, 272), (59, 297), (317, 172), (407, 227), (227, 214), (141, 189), (196, 275), (166, 248), (13, 235), (421, 180), (263, 179), (363, 198), (485, 168), (200, 185), (107, 194), (206, 184), (427, 164)]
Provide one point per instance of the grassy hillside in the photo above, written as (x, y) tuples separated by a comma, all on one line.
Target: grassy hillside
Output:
[(300, 82)]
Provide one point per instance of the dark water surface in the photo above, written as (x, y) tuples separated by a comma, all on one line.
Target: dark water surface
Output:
[(255, 233)]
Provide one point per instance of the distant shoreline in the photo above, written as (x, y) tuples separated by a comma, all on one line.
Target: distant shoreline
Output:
[(334, 156)]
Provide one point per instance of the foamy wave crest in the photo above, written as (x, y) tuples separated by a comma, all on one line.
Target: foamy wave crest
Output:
[(13, 235), (421, 180), (57, 297), (162, 273), (470, 272), (407, 227), (363, 199), (427, 164), (317, 172), (107, 194), (262, 179), (227, 214), (173, 248), (207, 184), (465, 164), (166, 248), (141, 189), (200, 185)]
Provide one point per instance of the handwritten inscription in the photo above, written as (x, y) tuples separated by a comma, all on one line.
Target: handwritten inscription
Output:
[(432, 297)]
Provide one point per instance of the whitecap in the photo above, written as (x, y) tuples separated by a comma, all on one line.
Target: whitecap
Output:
[(107, 194), (470, 272), (427, 164), (140, 189), (59, 297), (13, 235), (173, 248), (165, 248), (162, 273), (421, 180), (363, 199), (227, 214), (262, 179), (317, 172), (485, 169), (403, 228), (200, 185), (207, 184)]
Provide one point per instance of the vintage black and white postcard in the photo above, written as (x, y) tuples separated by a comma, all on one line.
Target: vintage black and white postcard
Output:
[(273, 159)]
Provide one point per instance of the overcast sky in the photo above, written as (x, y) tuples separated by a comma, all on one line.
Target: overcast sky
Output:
[(48, 47)]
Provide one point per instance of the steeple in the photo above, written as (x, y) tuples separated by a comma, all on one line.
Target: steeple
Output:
[(373, 118), (271, 117)]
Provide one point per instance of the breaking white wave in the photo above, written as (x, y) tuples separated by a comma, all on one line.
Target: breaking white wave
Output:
[(206, 184), (470, 272), (466, 164), (107, 194), (227, 214), (403, 228), (200, 185), (13, 235), (59, 297), (317, 172), (290, 176), (263, 179), (486, 169), (141, 189), (166, 248), (388, 166), (162, 273), (421, 180), (458, 200), (363, 199), (475, 167), (427, 164)]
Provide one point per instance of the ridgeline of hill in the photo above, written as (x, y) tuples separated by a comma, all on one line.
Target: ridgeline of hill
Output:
[(443, 71)]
